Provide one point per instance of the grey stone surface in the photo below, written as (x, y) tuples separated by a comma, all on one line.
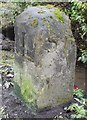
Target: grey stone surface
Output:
[(45, 57), (1, 36)]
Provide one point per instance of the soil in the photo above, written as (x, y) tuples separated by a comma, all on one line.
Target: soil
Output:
[(13, 107)]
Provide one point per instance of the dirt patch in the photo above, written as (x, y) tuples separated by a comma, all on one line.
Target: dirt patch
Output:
[(15, 108)]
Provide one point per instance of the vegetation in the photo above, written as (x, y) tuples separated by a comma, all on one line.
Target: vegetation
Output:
[(83, 57), (34, 23), (77, 13), (10, 10), (77, 108), (58, 15), (80, 112), (42, 11), (26, 91)]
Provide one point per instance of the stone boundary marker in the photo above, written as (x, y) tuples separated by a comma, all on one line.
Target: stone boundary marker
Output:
[(45, 57)]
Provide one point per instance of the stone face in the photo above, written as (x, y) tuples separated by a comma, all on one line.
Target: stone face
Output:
[(45, 57)]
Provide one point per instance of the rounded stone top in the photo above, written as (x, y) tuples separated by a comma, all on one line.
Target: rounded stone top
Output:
[(38, 13), (48, 18), (42, 27)]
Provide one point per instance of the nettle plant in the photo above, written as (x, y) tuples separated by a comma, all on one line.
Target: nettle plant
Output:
[(83, 57), (78, 14), (79, 107)]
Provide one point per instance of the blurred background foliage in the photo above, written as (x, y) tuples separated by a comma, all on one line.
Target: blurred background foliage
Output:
[(75, 9)]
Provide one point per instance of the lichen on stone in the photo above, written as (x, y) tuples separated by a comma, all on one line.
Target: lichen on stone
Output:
[(41, 11), (48, 24), (49, 28), (34, 23), (51, 17), (59, 14), (44, 20), (26, 90), (49, 6), (39, 42), (30, 17)]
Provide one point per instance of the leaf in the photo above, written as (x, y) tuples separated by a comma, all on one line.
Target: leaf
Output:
[(8, 84)]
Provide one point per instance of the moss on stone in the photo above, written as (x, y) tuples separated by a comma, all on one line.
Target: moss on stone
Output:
[(26, 90), (49, 28), (58, 15), (49, 6), (48, 25), (34, 23), (30, 17), (41, 12), (69, 37), (44, 20), (62, 100), (51, 17), (39, 42)]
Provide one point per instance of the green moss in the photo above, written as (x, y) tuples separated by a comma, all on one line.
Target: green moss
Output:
[(69, 37), (36, 3), (48, 25), (28, 90), (34, 23), (49, 28), (49, 6), (30, 17), (63, 100), (47, 22), (51, 17), (44, 20), (41, 12), (25, 89), (58, 15)]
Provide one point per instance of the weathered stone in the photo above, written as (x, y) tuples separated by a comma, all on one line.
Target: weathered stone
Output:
[(45, 57)]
